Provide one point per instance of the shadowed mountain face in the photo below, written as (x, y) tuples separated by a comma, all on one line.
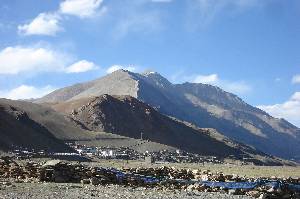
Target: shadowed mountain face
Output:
[(18, 129), (203, 105), (127, 116), (33, 126)]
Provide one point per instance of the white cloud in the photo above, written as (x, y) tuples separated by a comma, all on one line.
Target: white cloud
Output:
[(18, 59), (125, 17), (43, 24), (81, 66), (49, 23), (26, 92), (207, 79), (296, 96), (114, 68), (235, 87), (80, 8), (296, 79), (230, 86), (14, 60), (289, 110)]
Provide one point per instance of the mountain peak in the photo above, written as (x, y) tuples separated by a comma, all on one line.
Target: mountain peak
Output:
[(149, 72), (121, 71), (157, 79)]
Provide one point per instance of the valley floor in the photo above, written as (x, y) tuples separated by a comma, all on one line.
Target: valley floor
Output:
[(228, 169), (10, 189), (76, 191)]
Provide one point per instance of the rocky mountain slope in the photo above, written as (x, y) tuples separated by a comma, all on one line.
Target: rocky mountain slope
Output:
[(203, 105), (127, 116), (26, 124), (17, 129), (33, 126)]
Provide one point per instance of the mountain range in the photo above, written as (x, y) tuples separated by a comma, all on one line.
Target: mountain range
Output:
[(112, 121), (129, 117), (202, 105)]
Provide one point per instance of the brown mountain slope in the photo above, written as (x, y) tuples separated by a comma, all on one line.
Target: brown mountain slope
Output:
[(54, 122), (25, 124), (35, 126), (127, 116), (17, 129)]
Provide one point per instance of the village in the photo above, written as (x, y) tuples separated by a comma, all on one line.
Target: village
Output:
[(125, 153), (121, 153)]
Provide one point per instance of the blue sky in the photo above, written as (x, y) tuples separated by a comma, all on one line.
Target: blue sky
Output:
[(248, 47)]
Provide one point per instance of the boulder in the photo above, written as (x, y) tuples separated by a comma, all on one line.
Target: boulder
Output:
[(52, 163)]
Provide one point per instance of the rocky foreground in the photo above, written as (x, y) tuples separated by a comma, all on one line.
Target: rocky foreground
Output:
[(57, 179), (75, 191)]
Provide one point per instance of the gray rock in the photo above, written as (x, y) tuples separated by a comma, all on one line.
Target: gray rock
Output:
[(232, 191), (52, 163)]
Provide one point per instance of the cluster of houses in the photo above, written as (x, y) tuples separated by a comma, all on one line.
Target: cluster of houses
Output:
[(105, 152), (179, 156), (25, 153), (29, 153), (124, 153)]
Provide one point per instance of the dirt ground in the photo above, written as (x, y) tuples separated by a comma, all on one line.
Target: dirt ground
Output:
[(241, 170), (39, 190), (78, 191)]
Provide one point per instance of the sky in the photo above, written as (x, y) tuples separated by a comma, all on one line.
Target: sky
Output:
[(248, 47)]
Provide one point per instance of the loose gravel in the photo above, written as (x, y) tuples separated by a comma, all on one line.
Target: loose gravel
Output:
[(78, 191)]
